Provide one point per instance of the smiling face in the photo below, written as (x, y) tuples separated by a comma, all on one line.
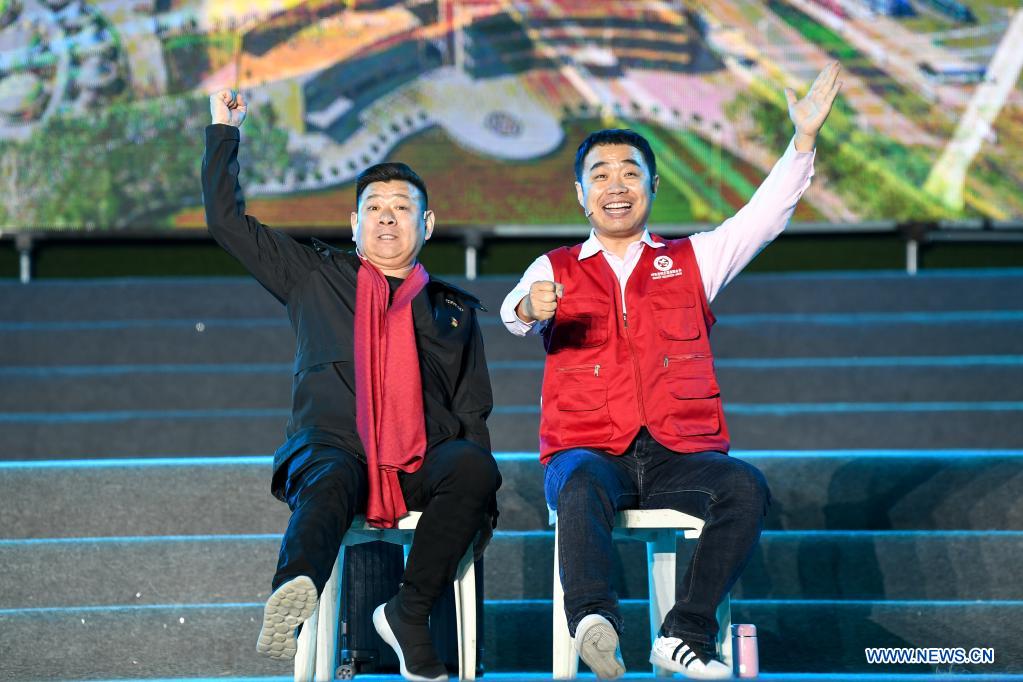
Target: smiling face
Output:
[(616, 191), (390, 226)]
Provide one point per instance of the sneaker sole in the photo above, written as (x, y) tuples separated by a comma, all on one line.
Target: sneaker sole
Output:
[(287, 608), (383, 629), (674, 666), (597, 648)]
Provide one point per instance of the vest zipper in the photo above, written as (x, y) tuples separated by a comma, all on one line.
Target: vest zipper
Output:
[(584, 368), (635, 370), (691, 356)]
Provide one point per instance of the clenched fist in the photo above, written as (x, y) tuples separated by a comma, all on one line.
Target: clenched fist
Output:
[(542, 302), (228, 107)]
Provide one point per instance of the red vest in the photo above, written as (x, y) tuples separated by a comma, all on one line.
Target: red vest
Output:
[(608, 374)]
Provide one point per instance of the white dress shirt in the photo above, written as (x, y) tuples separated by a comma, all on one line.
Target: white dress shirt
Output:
[(721, 253)]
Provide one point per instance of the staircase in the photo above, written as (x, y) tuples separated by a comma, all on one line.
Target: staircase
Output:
[(138, 535)]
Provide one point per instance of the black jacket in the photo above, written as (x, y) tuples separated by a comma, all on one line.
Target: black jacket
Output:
[(317, 284)]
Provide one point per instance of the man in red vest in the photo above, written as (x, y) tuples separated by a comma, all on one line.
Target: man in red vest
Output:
[(631, 411)]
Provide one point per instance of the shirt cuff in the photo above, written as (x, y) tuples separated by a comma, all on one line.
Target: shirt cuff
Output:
[(222, 131), (518, 327)]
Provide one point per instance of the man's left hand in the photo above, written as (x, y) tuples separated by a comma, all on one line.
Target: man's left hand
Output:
[(808, 114)]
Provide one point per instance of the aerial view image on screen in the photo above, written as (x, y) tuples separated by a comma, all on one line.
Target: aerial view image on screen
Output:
[(103, 105)]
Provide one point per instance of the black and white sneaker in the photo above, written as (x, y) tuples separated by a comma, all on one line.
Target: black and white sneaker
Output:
[(412, 643), (289, 606), (693, 660)]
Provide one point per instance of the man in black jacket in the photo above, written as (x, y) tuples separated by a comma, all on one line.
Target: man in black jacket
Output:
[(321, 471)]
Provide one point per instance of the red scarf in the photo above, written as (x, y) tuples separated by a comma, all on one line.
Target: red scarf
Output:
[(388, 388)]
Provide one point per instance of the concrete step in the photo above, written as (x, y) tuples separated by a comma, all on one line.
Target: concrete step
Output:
[(843, 292), (233, 431), (206, 340), (786, 565), (217, 640), (754, 380), (131, 298), (840, 490), (823, 380)]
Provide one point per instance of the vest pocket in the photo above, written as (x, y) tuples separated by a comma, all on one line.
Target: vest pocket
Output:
[(675, 317), (581, 322), (698, 409), (582, 403)]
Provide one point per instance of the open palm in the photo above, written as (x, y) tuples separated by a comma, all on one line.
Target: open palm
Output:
[(809, 113)]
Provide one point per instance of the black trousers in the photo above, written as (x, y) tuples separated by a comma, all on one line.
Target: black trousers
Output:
[(326, 487)]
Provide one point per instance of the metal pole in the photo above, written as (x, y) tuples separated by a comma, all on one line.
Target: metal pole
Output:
[(470, 262), (473, 243), (912, 256), (24, 245)]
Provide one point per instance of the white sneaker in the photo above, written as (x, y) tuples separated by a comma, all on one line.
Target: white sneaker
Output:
[(289, 606), (692, 660), (597, 644)]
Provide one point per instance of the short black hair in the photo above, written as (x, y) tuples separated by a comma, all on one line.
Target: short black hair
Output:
[(386, 172), (616, 136)]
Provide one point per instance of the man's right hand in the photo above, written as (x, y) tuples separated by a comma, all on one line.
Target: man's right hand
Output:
[(542, 302), (228, 107)]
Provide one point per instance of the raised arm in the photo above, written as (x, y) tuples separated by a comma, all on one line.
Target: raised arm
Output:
[(275, 259), (723, 252)]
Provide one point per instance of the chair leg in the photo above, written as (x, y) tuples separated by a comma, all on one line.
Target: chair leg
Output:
[(724, 616), (661, 582), (326, 631), (465, 615), (305, 657), (565, 657)]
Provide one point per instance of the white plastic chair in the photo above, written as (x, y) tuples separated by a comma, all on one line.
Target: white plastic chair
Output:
[(658, 528), (316, 658)]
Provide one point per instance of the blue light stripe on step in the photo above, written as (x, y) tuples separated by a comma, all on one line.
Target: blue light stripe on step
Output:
[(505, 457), (788, 409), (854, 319), (116, 608), (917, 603), (895, 362), (822, 603), (857, 319), (133, 415), (774, 535), (140, 539), (139, 462), (791, 409), (874, 454), (733, 320), (164, 323), (61, 371)]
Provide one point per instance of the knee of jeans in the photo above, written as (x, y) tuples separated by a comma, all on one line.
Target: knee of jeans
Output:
[(582, 486), (746, 482)]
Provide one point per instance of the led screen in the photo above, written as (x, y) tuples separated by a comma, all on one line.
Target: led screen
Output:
[(103, 104)]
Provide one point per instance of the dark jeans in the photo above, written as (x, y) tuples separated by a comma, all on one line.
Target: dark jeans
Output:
[(326, 487), (587, 487)]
